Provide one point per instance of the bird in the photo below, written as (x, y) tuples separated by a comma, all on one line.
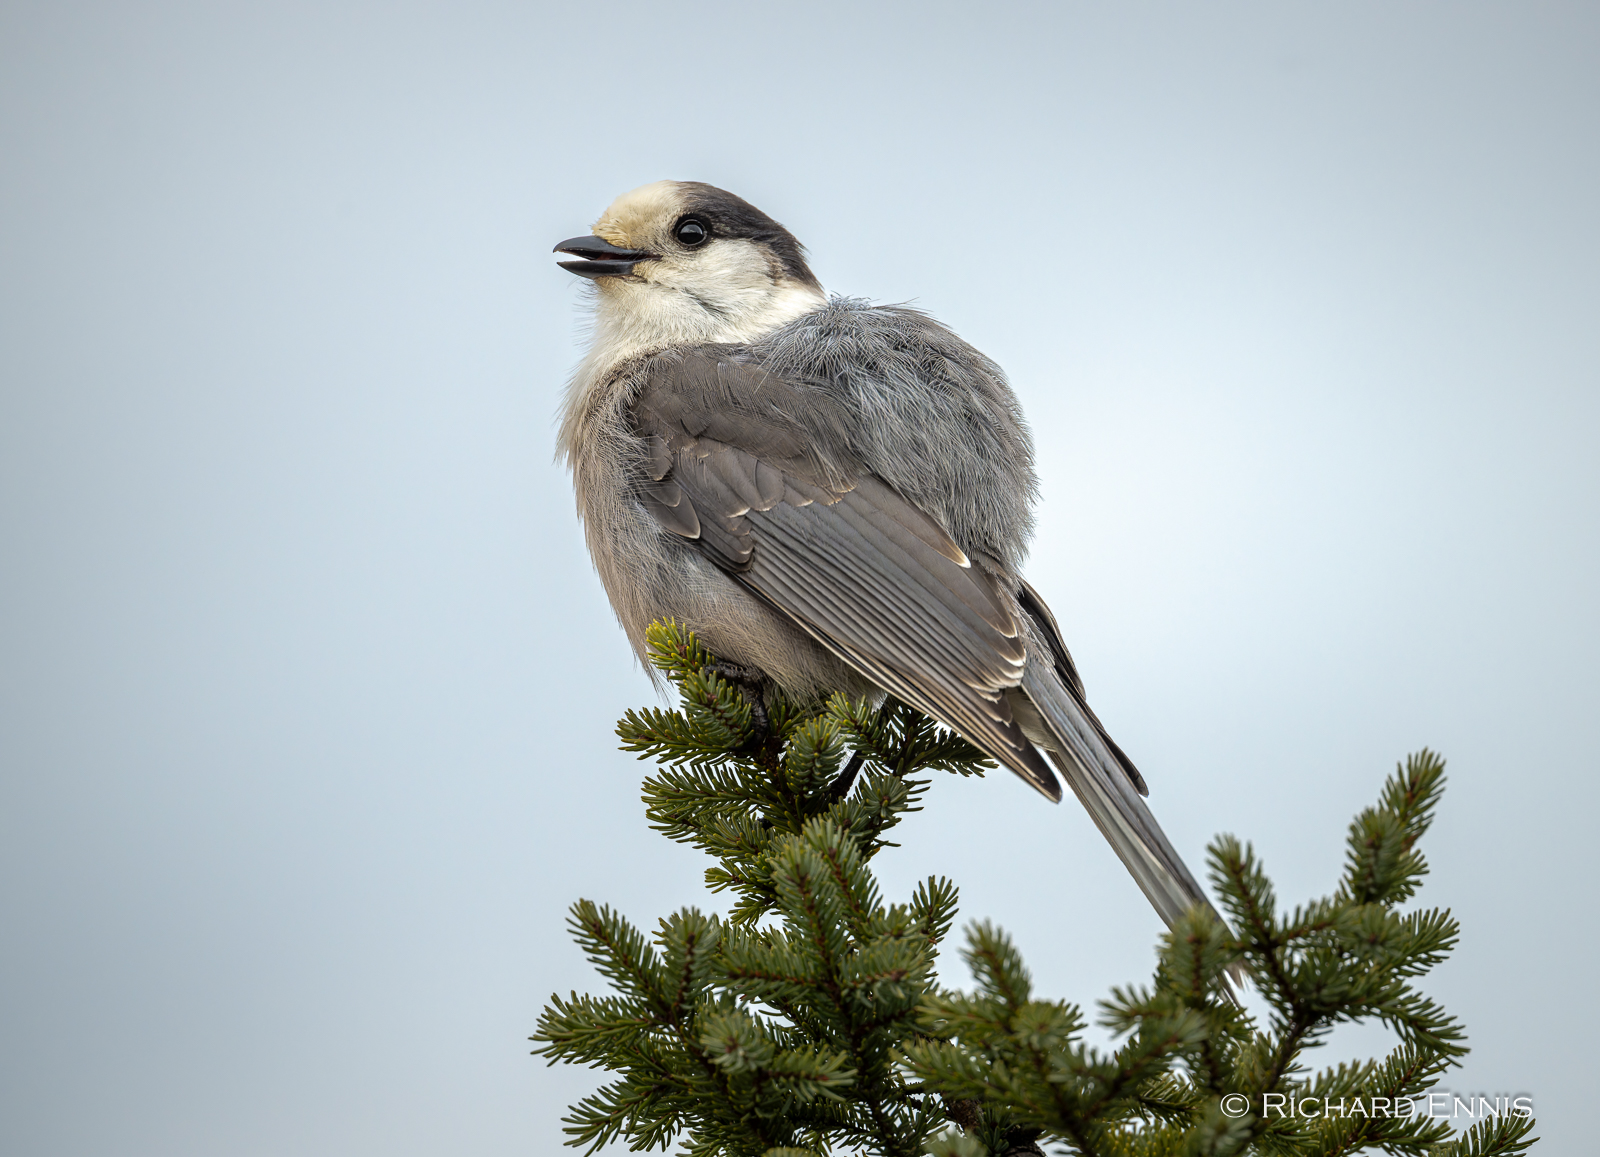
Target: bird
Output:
[(834, 495)]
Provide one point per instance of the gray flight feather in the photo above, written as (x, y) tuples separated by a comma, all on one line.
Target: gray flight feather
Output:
[(844, 503)]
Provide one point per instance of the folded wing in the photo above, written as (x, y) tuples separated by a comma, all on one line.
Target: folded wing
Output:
[(847, 558), (881, 585)]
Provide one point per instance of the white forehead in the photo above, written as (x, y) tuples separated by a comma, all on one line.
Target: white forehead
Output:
[(637, 212)]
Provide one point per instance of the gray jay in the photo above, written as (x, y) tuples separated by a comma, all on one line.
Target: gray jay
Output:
[(833, 495)]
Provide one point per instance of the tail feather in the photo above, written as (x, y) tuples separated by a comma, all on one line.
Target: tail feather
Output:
[(1097, 778)]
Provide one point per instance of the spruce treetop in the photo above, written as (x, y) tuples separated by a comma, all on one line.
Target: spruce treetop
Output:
[(808, 1020)]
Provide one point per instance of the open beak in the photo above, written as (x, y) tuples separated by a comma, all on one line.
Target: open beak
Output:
[(599, 258)]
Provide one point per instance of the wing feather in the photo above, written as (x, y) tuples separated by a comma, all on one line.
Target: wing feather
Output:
[(805, 527), (841, 553)]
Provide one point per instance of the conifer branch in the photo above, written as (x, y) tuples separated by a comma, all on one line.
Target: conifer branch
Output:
[(809, 1019)]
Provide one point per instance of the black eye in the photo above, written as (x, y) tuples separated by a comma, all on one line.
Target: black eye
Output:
[(691, 232)]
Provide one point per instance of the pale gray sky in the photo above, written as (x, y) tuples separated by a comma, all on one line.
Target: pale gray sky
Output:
[(306, 687)]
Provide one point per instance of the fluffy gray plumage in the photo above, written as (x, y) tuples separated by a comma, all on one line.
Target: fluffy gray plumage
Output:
[(835, 494)]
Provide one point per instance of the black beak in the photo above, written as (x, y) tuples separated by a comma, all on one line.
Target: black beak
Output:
[(599, 258)]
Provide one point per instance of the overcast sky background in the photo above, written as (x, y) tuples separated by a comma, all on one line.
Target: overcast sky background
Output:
[(307, 687)]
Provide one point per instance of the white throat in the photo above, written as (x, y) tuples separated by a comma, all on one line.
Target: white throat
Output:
[(632, 318)]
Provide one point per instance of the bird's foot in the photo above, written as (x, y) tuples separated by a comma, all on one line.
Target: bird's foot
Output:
[(752, 685)]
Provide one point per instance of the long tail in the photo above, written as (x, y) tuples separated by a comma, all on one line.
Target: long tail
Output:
[(1098, 779)]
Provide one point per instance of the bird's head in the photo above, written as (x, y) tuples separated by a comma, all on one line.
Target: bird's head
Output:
[(680, 262)]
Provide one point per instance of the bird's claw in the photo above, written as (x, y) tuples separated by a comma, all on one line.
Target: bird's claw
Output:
[(752, 685)]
